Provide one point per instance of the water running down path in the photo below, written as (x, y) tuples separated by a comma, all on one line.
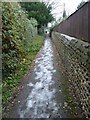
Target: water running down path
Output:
[(42, 95)]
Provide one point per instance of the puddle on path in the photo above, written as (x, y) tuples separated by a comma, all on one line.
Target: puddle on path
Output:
[(40, 102)]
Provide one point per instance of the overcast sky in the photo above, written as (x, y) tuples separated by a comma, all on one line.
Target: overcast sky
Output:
[(70, 6)]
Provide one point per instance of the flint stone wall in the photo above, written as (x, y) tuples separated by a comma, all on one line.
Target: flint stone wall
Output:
[(75, 55)]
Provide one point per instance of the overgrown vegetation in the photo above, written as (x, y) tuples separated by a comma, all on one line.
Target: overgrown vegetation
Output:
[(11, 83), (40, 11), (17, 32), (20, 44)]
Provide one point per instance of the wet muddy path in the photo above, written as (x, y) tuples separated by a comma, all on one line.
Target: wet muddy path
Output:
[(41, 96)]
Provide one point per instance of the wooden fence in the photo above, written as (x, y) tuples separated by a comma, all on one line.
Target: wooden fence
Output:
[(77, 24)]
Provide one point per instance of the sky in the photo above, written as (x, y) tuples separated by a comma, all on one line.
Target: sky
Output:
[(70, 6)]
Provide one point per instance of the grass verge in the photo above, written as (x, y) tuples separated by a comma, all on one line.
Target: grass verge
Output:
[(12, 82)]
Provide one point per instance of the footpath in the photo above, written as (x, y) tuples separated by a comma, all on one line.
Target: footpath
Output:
[(41, 95)]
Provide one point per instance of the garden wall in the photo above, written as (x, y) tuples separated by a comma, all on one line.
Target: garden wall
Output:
[(75, 55)]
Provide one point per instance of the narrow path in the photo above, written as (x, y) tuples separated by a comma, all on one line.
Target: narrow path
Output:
[(41, 96)]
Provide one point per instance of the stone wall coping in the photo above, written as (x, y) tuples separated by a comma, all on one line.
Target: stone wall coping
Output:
[(72, 40)]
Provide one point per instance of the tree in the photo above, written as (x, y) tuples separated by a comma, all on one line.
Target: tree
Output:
[(64, 14), (81, 4), (40, 11)]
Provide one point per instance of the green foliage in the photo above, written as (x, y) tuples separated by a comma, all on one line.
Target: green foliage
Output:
[(20, 46), (40, 11), (12, 81), (17, 33)]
